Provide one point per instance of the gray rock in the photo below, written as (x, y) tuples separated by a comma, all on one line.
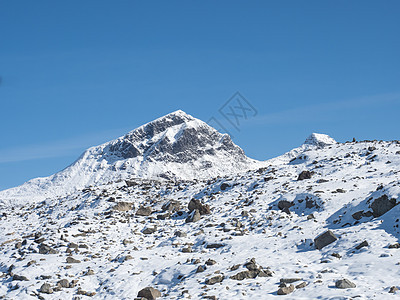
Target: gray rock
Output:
[(286, 290), (210, 262), (71, 260), (304, 175), (123, 206), (362, 244), (214, 246), (224, 186), (324, 239), (200, 269), (285, 205), (215, 279), (171, 206), (358, 215), (194, 216), (289, 280), (245, 275), (144, 211), (195, 204), (149, 230), (44, 249), (19, 278), (179, 233), (344, 284), (394, 246), (393, 289), (149, 293), (46, 289), (301, 285), (63, 283), (382, 205)]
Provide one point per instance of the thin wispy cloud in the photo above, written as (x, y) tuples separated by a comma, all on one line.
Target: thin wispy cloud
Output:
[(324, 111), (60, 148)]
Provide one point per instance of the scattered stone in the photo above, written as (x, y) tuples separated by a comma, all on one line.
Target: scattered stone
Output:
[(195, 204), (337, 255), (30, 263), (305, 175), (44, 249), (123, 206), (19, 278), (187, 249), (144, 211), (358, 215), (179, 233), (284, 205), (149, 230), (71, 260), (85, 293), (289, 280), (214, 246), (224, 186), (64, 283), (244, 275), (89, 272), (301, 285), (286, 290), (149, 293), (46, 289), (394, 246), (171, 206), (393, 289), (200, 269), (210, 262), (382, 205), (363, 244), (324, 239), (73, 246), (215, 279), (194, 216), (344, 284)]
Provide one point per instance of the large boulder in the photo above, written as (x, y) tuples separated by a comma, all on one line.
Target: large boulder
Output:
[(194, 216), (144, 211), (305, 175), (285, 290), (382, 205), (344, 284), (123, 206), (324, 239), (204, 209), (149, 293)]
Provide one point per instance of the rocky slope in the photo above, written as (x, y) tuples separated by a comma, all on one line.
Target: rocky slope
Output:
[(319, 222)]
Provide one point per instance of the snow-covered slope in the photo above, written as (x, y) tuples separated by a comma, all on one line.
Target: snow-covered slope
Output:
[(176, 146), (251, 235)]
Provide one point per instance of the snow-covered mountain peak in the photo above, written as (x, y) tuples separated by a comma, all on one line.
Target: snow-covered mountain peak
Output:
[(175, 146), (320, 140)]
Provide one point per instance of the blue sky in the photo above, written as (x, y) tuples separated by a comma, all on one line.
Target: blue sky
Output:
[(78, 73)]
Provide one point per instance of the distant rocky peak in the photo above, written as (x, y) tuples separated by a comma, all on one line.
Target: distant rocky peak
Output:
[(175, 137), (320, 140)]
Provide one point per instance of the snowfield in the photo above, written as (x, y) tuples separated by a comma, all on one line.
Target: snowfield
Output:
[(246, 231)]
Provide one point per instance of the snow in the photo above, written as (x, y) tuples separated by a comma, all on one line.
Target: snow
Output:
[(318, 139), (245, 219)]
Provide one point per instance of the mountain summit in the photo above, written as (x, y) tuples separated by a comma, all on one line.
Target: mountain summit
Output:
[(320, 140), (175, 146)]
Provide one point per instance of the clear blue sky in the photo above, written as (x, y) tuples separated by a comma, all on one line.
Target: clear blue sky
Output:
[(79, 73)]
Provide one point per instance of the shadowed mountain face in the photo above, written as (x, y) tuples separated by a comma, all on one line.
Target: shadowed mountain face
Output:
[(176, 137)]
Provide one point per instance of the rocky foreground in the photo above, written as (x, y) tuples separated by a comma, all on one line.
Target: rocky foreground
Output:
[(319, 222)]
